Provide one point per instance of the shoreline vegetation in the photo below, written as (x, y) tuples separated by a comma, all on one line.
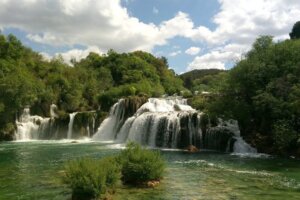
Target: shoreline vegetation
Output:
[(261, 91), (99, 179)]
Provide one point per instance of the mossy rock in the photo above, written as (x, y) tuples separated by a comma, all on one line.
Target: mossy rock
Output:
[(83, 124), (204, 122), (41, 109), (217, 138), (8, 132), (132, 104)]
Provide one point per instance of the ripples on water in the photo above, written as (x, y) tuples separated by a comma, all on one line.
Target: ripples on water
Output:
[(32, 170)]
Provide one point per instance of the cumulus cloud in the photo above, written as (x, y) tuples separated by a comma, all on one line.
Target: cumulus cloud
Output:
[(215, 59), (46, 56), (192, 51), (175, 53), (104, 23), (108, 25), (242, 20), (239, 23), (78, 54)]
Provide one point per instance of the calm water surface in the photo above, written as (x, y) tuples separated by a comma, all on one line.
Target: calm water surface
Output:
[(33, 170)]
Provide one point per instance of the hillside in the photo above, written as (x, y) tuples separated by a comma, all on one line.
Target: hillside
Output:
[(28, 80), (207, 80)]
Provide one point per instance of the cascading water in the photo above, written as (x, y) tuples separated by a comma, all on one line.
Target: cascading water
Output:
[(240, 146), (110, 126), (29, 127), (170, 123), (166, 122), (53, 109), (53, 128), (70, 126), (157, 122)]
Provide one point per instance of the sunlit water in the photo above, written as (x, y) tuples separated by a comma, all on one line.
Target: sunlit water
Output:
[(33, 170)]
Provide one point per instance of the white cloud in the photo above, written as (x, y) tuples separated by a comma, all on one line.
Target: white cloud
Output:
[(192, 51), (214, 59), (107, 24), (242, 20), (155, 10), (46, 56), (175, 53), (78, 54), (104, 23), (180, 25), (239, 23)]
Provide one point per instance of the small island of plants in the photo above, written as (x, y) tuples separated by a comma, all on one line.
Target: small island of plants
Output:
[(98, 179)]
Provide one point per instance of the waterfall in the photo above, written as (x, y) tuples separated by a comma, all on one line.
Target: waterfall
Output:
[(40, 128), (29, 127), (93, 125), (157, 122), (169, 123), (240, 146), (53, 109), (110, 126), (70, 126)]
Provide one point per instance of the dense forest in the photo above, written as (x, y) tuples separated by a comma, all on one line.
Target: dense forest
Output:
[(205, 80), (96, 82), (262, 91)]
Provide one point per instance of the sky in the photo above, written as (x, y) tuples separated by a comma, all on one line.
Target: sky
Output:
[(191, 34)]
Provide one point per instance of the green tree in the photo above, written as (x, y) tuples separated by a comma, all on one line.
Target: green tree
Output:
[(262, 93), (295, 34)]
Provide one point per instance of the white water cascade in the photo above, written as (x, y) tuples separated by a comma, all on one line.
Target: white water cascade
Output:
[(54, 127), (111, 125), (159, 122), (53, 109), (170, 123), (29, 127), (240, 146), (70, 126)]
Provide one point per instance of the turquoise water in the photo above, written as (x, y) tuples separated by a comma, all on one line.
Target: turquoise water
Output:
[(33, 170)]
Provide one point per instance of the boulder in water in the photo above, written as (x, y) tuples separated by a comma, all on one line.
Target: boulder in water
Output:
[(192, 149)]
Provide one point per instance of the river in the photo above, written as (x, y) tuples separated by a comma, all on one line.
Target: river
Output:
[(33, 170)]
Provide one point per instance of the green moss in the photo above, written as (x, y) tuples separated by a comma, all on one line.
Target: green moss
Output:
[(7, 133)]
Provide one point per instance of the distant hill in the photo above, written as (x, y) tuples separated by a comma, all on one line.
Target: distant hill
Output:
[(189, 77)]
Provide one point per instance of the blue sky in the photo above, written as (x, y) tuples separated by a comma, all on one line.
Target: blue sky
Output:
[(156, 11), (192, 34)]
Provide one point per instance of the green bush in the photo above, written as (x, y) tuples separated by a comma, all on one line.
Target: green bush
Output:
[(140, 165), (91, 178), (284, 136)]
